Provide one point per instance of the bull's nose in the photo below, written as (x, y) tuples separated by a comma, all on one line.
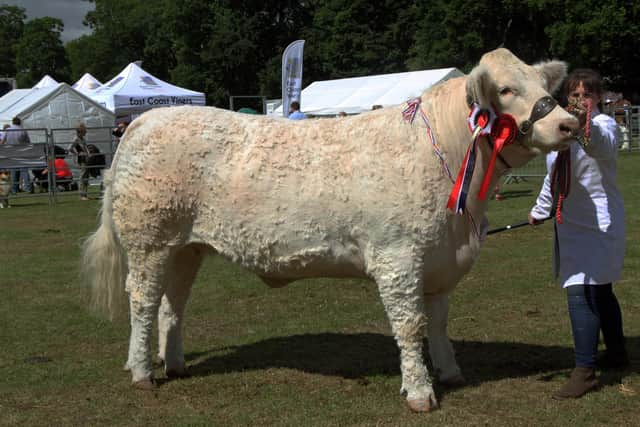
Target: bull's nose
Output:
[(569, 127)]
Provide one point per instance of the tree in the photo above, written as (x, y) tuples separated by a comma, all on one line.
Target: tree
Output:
[(11, 28), (601, 35), (358, 37), (231, 47), (123, 30), (225, 47), (40, 51)]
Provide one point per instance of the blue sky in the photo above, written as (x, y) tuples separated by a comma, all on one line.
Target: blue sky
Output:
[(71, 12)]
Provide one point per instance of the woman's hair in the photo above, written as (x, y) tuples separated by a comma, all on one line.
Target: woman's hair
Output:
[(81, 129), (589, 78)]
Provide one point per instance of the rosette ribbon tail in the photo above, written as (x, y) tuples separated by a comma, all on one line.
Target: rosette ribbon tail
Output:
[(458, 196), (503, 133)]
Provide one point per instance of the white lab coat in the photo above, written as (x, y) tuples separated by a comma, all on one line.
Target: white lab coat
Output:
[(592, 234)]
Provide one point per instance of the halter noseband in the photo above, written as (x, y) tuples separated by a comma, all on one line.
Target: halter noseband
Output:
[(541, 108)]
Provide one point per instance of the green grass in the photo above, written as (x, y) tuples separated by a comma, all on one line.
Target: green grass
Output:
[(317, 352)]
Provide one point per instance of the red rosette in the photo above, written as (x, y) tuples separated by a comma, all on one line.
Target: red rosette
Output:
[(480, 117), (503, 133), (504, 130)]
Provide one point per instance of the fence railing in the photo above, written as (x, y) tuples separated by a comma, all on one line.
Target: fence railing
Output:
[(629, 120), (37, 160)]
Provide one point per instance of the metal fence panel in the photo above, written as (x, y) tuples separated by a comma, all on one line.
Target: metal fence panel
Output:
[(37, 156), (535, 168)]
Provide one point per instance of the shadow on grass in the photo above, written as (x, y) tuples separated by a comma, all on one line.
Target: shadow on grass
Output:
[(354, 356)]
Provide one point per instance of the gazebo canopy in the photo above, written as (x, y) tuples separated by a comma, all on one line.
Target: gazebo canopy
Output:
[(134, 91)]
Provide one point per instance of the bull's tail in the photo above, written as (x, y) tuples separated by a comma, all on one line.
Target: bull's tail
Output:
[(104, 266)]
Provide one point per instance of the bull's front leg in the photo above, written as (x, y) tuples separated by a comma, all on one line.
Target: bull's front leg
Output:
[(400, 284)]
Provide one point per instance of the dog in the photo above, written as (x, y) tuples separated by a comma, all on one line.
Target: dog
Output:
[(5, 188)]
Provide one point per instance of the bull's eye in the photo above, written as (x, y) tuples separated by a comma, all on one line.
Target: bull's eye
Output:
[(504, 91)]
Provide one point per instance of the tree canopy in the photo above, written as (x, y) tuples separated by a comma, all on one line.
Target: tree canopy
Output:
[(11, 28), (39, 51), (225, 47)]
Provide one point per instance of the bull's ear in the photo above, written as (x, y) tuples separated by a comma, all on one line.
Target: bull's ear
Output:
[(553, 73), (480, 87)]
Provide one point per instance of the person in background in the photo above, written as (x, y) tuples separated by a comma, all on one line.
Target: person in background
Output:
[(64, 177), (295, 113), (16, 135), (81, 156), (580, 191), (118, 131), (2, 133)]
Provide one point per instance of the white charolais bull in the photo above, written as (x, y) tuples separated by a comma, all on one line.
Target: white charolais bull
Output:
[(356, 197)]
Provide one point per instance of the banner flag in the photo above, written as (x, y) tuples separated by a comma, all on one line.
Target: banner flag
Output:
[(291, 75)]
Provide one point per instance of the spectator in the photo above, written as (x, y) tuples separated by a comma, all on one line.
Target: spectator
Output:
[(81, 157), (119, 130), (64, 177), (590, 233), (3, 133), (16, 135), (295, 113)]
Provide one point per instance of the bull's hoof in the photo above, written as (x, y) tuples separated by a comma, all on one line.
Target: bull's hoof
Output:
[(176, 374), (145, 384), (456, 380), (421, 405)]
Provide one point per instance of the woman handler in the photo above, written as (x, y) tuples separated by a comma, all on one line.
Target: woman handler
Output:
[(580, 191)]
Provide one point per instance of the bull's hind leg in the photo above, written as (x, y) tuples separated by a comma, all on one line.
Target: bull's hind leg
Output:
[(442, 354), (400, 285), (184, 268), (146, 283)]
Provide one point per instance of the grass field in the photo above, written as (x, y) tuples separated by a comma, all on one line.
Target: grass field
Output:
[(315, 353)]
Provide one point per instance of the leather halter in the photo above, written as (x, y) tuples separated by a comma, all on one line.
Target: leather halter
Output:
[(541, 108)]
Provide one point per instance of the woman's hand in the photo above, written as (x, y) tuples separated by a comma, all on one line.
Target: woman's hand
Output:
[(534, 221), (579, 110)]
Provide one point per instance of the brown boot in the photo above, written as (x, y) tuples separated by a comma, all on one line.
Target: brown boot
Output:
[(581, 381)]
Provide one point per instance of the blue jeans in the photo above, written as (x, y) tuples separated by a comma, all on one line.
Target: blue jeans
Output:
[(593, 308), (23, 174)]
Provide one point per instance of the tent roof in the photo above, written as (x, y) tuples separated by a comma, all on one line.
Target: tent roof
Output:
[(86, 83), (134, 90), (12, 97), (358, 94), (45, 82), (36, 97)]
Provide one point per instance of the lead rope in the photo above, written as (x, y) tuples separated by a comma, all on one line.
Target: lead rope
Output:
[(560, 182), (560, 187)]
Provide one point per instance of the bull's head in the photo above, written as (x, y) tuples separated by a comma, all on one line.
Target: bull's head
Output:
[(512, 87)]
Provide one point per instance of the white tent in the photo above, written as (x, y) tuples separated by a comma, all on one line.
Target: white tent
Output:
[(45, 82), (358, 94), (57, 107), (86, 83), (10, 98), (134, 91)]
